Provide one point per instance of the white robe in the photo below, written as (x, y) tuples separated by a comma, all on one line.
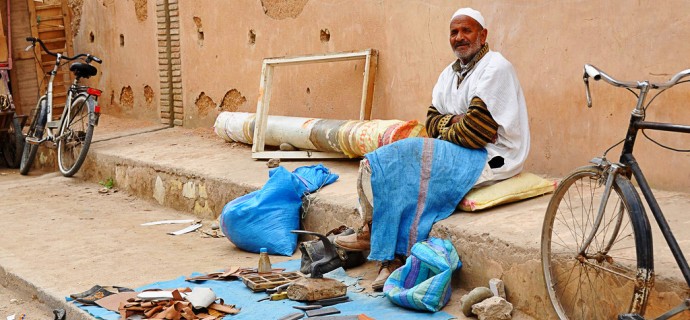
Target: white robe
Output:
[(493, 80)]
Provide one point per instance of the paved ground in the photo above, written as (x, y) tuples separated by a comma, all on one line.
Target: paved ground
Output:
[(17, 303)]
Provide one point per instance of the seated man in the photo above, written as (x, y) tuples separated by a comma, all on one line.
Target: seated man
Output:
[(477, 104)]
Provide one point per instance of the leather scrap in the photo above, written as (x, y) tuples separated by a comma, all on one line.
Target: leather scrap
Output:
[(176, 309), (232, 273)]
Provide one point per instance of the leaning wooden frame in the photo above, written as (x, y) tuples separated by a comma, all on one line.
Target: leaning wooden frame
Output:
[(371, 58)]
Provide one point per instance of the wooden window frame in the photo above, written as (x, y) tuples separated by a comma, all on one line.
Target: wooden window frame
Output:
[(371, 58)]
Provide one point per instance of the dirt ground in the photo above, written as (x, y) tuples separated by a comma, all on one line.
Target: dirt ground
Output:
[(14, 302)]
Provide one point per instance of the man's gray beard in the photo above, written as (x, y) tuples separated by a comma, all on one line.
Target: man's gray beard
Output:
[(474, 48)]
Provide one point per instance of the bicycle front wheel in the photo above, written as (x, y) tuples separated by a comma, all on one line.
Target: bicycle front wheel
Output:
[(75, 137), (35, 132), (612, 274)]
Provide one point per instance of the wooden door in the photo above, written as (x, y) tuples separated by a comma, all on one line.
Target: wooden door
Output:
[(50, 22)]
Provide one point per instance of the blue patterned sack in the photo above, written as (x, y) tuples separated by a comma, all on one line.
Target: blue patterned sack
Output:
[(423, 283)]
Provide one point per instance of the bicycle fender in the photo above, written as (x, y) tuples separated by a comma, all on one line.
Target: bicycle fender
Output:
[(91, 103)]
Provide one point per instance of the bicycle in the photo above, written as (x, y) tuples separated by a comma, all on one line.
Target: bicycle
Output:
[(76, 125), (596, 242)]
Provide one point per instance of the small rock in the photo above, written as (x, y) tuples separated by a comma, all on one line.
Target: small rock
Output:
[(215, 226), (475, 296), (494, 308), (272, 163), (287, 147), (497, 287), (15, 301)]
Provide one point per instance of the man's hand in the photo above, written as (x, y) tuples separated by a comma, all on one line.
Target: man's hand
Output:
[(456, 118)]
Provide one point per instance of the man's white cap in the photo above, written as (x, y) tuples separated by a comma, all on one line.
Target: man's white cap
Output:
[(474, 14)]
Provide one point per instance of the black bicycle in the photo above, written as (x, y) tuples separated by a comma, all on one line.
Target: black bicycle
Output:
[(596, 245)]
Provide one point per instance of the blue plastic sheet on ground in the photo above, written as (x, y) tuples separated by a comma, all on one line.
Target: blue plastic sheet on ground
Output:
[(235, 292)]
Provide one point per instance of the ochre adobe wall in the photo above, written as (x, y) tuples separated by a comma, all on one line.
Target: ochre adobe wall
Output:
[(222, 44)]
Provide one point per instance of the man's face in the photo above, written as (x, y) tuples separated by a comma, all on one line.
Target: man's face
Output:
[(466, 37)]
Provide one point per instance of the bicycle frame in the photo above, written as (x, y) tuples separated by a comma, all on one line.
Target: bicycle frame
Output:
[(628, 159), (50, 125)]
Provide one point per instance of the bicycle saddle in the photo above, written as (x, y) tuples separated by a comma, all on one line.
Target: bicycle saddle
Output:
[(83, 70)]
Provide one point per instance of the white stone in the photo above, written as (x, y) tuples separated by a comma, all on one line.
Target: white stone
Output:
[(159, 190), (189, 190), (497, 288), (494, 308)]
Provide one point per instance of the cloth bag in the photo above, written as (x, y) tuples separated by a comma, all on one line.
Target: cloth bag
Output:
[(423, 283)]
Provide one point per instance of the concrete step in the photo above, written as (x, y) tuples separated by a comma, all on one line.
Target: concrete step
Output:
[(198, 173)]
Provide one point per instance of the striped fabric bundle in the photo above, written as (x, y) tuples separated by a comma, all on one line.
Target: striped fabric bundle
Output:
[(423, 283)]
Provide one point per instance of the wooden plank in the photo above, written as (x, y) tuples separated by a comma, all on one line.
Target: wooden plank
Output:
[(24, 93), (331, 57), (47, 18), (53, 36), (48, 28), (303, 154), (261, 121), (52, 11), (48, 6), (33, 22), (370, 67), (67, 23)]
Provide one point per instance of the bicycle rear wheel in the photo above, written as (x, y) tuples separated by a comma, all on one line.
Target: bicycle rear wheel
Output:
[(38, 125), (75, 138), (614, 273)]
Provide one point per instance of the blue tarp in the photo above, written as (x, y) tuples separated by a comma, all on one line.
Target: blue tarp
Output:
[(235, 292)]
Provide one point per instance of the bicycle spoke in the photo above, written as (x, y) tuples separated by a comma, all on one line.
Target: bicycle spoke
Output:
[(609, 270)]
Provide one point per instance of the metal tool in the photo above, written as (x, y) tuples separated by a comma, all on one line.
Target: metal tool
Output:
[(330, 260)]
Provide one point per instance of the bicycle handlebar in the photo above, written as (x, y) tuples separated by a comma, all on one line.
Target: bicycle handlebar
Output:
[(597, 74), (89, 57)]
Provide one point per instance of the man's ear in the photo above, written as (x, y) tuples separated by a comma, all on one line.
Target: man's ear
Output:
[(482, 35)]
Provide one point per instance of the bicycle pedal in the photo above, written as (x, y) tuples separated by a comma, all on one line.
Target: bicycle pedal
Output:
[(35, 141)]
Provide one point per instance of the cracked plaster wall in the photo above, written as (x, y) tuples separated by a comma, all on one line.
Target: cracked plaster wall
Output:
[(548, 42), (122, 33)]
